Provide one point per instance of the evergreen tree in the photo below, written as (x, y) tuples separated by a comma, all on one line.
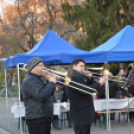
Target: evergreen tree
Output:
[(98, 20)]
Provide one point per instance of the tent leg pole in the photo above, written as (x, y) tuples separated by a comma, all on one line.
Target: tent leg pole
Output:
[(19, 100), (107, 97), (7, 101)]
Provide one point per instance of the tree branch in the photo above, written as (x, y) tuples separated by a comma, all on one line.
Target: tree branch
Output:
[(67, 32), (50, 14), (25, 50)]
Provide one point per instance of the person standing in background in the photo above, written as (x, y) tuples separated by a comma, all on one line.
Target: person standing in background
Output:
[(120, 77), (56, 97), (130, 91)]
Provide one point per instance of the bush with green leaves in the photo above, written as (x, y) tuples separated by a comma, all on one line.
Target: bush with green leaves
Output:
[(1, 77)]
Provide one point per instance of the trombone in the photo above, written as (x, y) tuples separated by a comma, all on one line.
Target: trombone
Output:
[(62, 75), (67, 78), (105, 72), (105, 69)]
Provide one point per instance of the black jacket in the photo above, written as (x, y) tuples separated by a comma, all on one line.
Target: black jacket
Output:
[(113, 88), (64, 97), (81, 104), (37, 97)]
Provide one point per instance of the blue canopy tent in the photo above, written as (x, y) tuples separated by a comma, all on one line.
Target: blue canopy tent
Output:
[(54, 50), (119, 48)]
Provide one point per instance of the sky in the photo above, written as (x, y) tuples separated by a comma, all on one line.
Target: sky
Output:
[(7, 2)]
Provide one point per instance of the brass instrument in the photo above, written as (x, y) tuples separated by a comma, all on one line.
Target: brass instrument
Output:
[(105, 69), (67, 78), (62, 75), (105, 72)]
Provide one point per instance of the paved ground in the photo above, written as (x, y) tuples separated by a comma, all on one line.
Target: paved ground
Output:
[(11, 124)]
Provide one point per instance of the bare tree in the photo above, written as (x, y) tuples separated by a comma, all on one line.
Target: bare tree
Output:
[(28, 20)]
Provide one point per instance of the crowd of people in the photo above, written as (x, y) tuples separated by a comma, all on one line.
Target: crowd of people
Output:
[(39, 96)]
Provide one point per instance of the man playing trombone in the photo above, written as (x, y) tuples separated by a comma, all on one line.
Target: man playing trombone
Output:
[(37, 98), (82, 111)]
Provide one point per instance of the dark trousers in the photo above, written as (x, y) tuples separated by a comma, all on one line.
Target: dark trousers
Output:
[(82, 129), (69, 120), (39, 126), (55, 121), (131, 115)]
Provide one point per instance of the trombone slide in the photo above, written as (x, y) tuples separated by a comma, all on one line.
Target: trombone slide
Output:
[(68, 80)]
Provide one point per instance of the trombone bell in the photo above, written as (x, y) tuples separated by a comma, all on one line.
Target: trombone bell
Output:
[(106, 72), (67, 80), (106, 69)]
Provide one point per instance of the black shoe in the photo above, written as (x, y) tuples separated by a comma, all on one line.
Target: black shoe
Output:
[(70, 126), (131, 119), (57, 128)]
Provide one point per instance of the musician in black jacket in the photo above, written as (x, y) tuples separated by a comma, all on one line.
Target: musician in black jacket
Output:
[(37, 95), (82, 111)]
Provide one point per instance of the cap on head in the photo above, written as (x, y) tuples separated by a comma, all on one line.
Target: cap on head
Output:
[(32, 63)]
